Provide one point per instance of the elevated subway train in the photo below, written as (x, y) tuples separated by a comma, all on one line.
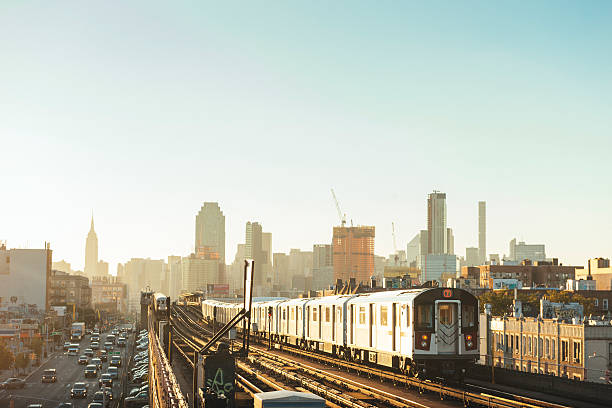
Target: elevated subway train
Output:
[(429, 332), (160, 303)]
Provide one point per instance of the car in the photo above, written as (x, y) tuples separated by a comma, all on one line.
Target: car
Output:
[(108, 345), (121, 341), (65, 405), (83, 360), (88, 352), (135, 391), (91, 371), (141, 378), (116, 361), (66, 346), (95, 405), (101, 396), (73, 351), (139, 356), (12, 383), (141, 347), (138, 400), (95, 345), (79, 390), (97, 362), (35, 406), (111, 338), (103, 355), (105, 380), (95, 337), (113, 371), (49, 375)]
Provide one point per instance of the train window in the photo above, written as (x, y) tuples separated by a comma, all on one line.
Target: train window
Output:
[(383, 315), (327, 315), (447, 313), (424, 316), (292, 314), (284, 314), (468, 316), (407, 315), (361, 314), (314, 314)]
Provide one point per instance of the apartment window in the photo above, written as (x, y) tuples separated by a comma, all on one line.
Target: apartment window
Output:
[(577, 351), (517, 346), (564, 350), (524, 346), (383, 315), (553, 349), (530, 349), (540, 347), (604, 303), (547, 347), (361, 314), (596, 302)]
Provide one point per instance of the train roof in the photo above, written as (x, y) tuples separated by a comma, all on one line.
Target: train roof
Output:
[(332, 299), (404, 294)]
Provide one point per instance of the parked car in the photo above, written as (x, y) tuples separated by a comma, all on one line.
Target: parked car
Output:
[(83, 360), (135, 391), (95, 405), (91, 371), (105, 380), (79, 390), (12, 383), (138, 400), (49, 375), (142, 377)]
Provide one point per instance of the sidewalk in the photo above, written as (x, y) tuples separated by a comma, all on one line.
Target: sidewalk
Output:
[(6, 374)]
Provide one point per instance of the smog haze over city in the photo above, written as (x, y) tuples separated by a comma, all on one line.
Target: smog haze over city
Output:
[(141, 111)]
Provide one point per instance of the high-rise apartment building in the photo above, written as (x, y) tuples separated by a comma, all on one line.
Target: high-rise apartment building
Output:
[(450, 241), (436, 223), (300, 269), (322, 266), (25, 274), (102, 269), (210, 229), (472, 256), (91, 252), (354, 253), (282, 279), (482, 232), (199, 272), (254, 249), (175, 276), (522, 251)]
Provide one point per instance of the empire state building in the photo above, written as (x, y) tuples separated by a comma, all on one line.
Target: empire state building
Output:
[(91, 252)]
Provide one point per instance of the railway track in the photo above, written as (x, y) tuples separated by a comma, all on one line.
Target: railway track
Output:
[(335, 387)]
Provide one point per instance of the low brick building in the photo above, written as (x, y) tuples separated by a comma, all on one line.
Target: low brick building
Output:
[(67, 289), (542, 274)]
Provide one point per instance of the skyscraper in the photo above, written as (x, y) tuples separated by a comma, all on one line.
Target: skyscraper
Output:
[(254, 249), (436, 223), (91, 252), (354, 253), (210, 229), (482, 232)]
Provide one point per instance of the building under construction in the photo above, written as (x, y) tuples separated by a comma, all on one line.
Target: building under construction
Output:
[(353, 253)]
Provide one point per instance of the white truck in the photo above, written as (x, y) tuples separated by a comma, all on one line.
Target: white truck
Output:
[(77, 331)]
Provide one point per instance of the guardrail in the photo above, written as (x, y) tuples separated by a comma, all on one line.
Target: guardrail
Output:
[(164, 390)]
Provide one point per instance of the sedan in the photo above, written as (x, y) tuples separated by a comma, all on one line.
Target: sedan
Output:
[(88, 352), (97, 362), (49, 375), (138, 400), (12, 383), (83, 360), (95, 345), (79, 390), (91, 371), (66, 346), (105, 380)]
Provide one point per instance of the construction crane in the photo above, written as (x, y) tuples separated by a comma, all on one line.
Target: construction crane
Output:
[(340, 215)]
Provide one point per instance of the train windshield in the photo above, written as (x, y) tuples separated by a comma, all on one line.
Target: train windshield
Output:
[(468, 316), (424, 317)]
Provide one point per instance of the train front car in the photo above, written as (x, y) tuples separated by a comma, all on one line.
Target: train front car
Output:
[(161, 305), (445, 333)]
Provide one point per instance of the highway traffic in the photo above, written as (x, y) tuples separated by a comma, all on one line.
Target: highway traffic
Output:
[(69, 384)]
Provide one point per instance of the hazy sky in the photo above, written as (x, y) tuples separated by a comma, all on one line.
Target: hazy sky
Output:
[(142, 110)]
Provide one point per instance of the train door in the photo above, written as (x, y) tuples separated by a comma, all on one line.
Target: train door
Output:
[(320, 321), (333, 323), (352, 323), (394, 326), (447, 326), (371, 325)]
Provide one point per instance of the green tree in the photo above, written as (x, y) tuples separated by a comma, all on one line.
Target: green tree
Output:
[(21, 361), (500, 300), (568, 297), (6, 356)]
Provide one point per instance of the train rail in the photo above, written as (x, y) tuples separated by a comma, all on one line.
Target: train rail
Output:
[(333, 387)]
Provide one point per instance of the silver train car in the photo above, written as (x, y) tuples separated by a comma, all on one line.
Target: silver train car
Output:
[(430, 332), (160, 304)]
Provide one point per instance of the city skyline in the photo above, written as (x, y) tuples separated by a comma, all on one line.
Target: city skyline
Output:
[(507, 104)]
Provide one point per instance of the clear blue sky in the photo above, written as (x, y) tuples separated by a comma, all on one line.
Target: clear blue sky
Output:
[(142, 110)]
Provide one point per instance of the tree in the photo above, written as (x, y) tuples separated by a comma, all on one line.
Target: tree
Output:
[(500, 300), (21, 361), (568, 297), (6, 356), (36, 346)]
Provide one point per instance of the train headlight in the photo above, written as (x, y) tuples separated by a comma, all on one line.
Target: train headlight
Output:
[(424, 337), (423, 344), (468, 337), (470, 344)]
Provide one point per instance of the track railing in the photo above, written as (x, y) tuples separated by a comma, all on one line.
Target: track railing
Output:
[(164, 390)]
